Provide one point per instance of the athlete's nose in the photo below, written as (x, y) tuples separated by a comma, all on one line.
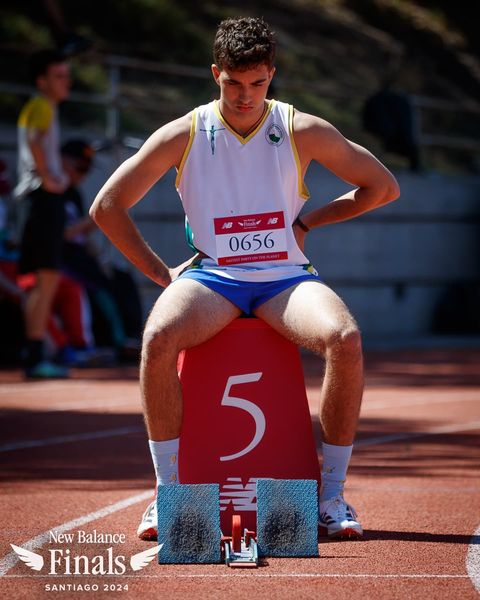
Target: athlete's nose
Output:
[(244, 95)]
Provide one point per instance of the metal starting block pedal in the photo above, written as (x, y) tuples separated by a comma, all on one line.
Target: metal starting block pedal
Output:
[(240, 551)]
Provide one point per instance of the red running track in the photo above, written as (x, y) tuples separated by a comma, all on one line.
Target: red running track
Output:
[(74, 456)]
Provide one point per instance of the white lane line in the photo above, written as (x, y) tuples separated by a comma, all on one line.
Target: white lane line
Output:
[(473, 554), (75, 437), (46, 386), (249, 573), (416, 489), (473, 559), (11, 559), (100, 405), (380, 404), (395, 437)]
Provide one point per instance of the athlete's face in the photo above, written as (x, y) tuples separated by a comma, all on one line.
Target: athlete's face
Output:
[(55, 83), (243, 93)]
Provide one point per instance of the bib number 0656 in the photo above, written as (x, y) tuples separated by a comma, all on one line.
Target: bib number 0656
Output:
[(251, 241)]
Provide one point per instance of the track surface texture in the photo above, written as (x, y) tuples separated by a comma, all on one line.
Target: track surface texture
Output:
[(74, 458)]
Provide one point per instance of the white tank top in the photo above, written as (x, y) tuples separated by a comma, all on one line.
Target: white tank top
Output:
[(241, 195)]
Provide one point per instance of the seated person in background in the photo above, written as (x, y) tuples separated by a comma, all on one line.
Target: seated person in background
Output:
[(83, 266)]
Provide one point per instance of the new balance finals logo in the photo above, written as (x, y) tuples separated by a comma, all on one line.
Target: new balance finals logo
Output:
[(61, 561)]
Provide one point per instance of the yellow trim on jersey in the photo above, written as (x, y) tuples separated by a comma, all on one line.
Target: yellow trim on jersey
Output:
[(241, 139), (37, 113), (193, 127), (302, 186)]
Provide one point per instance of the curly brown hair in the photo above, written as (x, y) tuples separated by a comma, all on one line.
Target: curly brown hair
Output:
[(242, 43)]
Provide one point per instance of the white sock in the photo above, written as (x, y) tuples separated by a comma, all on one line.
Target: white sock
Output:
[(165, 460), (334, 470)]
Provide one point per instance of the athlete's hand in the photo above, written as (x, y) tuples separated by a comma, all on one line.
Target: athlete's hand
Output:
[(175, 272), (53, 184), (300, 236)]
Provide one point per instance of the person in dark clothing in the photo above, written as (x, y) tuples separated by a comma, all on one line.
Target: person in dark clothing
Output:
[(115, 305), (390, 116)]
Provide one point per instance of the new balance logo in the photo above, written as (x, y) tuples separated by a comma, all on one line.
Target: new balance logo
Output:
[(272, 221), (227, 225), (243, 497)]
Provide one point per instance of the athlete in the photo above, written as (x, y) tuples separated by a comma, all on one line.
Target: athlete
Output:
[(241, 162)]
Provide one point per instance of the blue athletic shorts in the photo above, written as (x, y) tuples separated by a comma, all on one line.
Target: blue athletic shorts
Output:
[(246, 295)]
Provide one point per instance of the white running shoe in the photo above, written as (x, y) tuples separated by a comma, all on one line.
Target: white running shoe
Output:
[(339, 518), (147, 530)]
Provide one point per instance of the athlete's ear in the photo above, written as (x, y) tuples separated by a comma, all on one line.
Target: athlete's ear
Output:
[(271, 73), (216, 73)]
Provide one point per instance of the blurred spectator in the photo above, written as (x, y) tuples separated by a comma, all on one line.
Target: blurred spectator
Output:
[(390, 116), (41, 183), (68, 324), (114, 297)]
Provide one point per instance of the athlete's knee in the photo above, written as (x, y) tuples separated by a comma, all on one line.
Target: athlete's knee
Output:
[(159, 341), (345, 340)]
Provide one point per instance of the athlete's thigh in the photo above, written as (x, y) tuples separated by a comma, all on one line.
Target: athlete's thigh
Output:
[(308, 314), (190, 313)]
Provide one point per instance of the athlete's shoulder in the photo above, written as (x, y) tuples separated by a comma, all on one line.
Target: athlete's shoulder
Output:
[(37, 113), (205, 111), (313, 132), (306, 123)]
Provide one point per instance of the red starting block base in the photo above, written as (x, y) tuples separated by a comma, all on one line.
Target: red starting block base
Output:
[(246, 416)]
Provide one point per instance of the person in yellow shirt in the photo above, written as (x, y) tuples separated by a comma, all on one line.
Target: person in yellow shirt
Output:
[(41, 184)]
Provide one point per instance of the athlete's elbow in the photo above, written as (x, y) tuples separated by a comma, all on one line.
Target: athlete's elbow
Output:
[(99, 211), (94, 212), (390, 192)]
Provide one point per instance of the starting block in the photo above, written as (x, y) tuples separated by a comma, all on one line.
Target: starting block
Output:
[(287, 518), (245, 418), (189, 524)]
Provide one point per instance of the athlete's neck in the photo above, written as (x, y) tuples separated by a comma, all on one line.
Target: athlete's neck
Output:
[(243, 127)]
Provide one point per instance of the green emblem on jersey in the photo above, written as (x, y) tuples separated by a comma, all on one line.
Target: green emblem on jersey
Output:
[(275, 135)]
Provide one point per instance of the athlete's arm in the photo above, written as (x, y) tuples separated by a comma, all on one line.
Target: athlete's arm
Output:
[(128, 184), (375, 186)]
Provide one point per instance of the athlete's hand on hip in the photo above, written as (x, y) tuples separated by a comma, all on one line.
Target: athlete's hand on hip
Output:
[(299, 236), (175, 272)]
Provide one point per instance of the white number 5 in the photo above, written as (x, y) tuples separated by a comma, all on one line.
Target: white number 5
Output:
[(249, 407)]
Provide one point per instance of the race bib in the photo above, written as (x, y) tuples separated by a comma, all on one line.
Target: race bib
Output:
[(251, 238)]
